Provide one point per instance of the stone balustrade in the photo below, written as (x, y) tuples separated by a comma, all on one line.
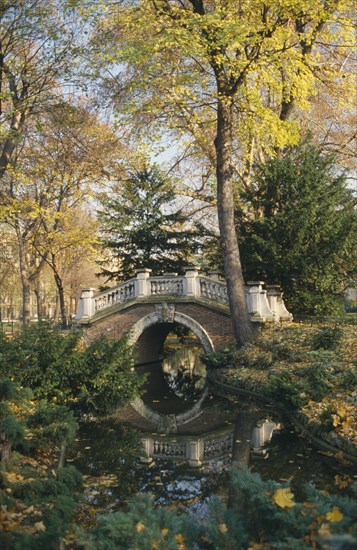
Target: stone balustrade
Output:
[(263, 305), (201, 449)]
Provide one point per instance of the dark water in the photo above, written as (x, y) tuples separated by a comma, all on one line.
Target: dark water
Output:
[(175, 384), (107, 452)]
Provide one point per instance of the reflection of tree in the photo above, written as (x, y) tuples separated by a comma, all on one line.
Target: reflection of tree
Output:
[(184, 384), (183, 374), (243, 428)]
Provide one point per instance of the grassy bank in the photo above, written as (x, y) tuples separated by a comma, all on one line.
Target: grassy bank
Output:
[(308, 368)]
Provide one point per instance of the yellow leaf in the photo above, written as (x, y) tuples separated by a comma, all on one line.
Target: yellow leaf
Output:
[(284, 498), (179, 538), (12, 477), (139, 527), (223, 528), (164, 531), (335, 515)]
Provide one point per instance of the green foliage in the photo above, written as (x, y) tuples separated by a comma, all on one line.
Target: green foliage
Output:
[(221, 358), (40, 507), (51, 425), (108, 379), (93, 379), (10, 427), (142, 526), (258, 512), (143, 228), (297, 227), (349, 378), (284, 389), (327, 337), (295, 526)]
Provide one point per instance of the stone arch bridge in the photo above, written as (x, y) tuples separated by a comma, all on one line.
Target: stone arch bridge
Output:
[(146, 308)]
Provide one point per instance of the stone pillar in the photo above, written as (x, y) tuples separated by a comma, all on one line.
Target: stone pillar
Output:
[(142, 286), (147, 449), (277, 305), (191, 281), (262, 433), (85, 308), (273, 293), (194, 452), (258, 305)]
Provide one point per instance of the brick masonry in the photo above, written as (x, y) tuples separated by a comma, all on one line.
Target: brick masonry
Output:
[(216, 323)]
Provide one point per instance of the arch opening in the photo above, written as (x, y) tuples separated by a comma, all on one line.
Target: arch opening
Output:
[(168, 353)]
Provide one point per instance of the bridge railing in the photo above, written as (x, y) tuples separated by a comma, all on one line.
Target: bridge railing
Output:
[(263, 305), (201, 449)]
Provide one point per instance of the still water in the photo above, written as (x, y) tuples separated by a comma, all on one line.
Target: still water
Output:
[(109, 453), (174, 384)]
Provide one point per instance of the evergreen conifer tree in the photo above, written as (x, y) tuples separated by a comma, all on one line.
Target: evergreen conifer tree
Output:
[(300, 229), (144, 228)]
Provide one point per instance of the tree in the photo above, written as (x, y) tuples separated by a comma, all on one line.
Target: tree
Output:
[(9, 275), (37, 40), (299, 229), (49, 189), (236, 71), (144, 228)]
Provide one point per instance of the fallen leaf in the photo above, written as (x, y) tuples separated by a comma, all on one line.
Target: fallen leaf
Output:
[(40, 526), (284, 498), (335, 515), (223, 528), (139, 527)]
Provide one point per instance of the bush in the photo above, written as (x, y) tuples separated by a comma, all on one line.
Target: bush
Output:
[(284, 390), (94, 379), (327, 337), (219, 359)]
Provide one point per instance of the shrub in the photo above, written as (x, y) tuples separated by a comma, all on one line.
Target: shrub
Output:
[(327, 337), (219, 359)]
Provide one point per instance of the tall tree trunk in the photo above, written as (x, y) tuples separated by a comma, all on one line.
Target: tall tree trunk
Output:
[(243, 328), (60, 290), (25, 282), (39, 304)]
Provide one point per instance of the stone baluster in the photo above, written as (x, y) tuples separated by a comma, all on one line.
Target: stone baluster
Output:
[(86, 304), (142, 283), (258, 305), (191, 281)]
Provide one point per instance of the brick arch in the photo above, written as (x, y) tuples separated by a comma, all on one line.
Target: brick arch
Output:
[(158, 328)]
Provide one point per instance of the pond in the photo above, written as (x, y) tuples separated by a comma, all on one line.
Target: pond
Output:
[(111, 457), (113, 473)]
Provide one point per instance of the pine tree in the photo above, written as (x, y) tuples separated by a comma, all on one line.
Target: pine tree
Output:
[(300, 230), (143, 228)]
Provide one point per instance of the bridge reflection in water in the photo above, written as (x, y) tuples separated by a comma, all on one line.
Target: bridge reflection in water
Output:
[(204, 449), (174, 391)]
